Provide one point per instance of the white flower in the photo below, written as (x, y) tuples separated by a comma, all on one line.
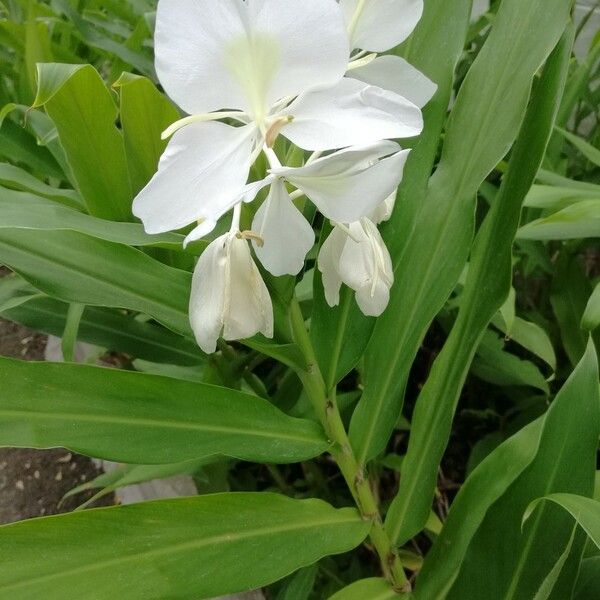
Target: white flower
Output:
[(229, 298), (357, 256), (275, 66)]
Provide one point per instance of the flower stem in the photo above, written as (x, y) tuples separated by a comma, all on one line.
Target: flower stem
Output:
[(326, 408)]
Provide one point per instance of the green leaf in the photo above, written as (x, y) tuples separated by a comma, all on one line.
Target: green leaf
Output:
[(21, 210), (565, 462), (131, 475), (585, 511), (577, 221), (487, 286), (144, 419), (367, 589), (107, 328), (484, 123), (74, 267), (172, 548), (300, 584), (84, 113), (69, 336), (588, 582), (553, 197), (591, 153), (16, 178), (145, 114), (591, 315), (486, 484)]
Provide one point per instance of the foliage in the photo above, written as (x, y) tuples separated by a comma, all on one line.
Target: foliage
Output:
[(480, 377)]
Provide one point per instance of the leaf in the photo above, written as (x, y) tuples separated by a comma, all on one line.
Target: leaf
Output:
[(74, 267), (21, 210), (553, 197), (585, 511), (16, 178), (531, 337), (145, 114), (107, 328), (144, 419), (487, 286), (172, 548), (588, 582), (484, 123), (545, 590), (565, 462), (485, 485), (367, 589), (300, 584), (591, 315), (591, 153), (125, 475), (84, 113), (577, 221), (69, 336)]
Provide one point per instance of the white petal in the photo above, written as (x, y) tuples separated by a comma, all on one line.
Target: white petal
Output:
[(207, 300), (366, 267), (246, 55), (287, 235), (248, 308), (348, 114), (328, 263), (201, 174), (385, 210), (397, 75), (203, 228), (351, 183), (381, 24)]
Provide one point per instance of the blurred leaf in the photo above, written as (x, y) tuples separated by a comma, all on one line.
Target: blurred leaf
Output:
[(300, 585), (591, 315), (579, 220), (588, 582), (367, 589), (156, 420), (169, 548), (81, 106), (591, 153), (484, 123)]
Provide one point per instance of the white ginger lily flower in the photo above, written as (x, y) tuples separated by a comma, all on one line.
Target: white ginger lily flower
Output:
[(229, 297), (356, 255), (344, 186), (275, 66), (379, 25)]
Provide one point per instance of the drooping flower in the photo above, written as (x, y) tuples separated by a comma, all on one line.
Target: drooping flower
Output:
[(229, 297), (276, 67), (356, 255)]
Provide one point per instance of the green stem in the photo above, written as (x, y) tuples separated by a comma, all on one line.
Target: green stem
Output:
[(326, 408)]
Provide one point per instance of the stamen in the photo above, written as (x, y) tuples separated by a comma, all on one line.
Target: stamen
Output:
[(362, 62), (250, 235), (347, 231), (214, 116), (275, 129)]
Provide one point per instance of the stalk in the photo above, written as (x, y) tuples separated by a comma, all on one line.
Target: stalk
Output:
[(327, 410)]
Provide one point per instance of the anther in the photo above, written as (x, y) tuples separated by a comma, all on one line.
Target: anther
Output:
[(250, 235), (276, 128)]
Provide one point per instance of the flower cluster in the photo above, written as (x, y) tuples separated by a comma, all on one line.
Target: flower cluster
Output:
[(247, 72)]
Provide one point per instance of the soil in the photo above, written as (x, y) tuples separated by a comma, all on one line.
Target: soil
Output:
[(33, 482)]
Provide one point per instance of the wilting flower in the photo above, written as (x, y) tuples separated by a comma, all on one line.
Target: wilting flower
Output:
[(356, 255), (276, 67), (229, 297)]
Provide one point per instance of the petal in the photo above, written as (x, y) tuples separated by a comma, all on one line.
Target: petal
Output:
[(328, 263), (348, 114), (366, 267), (249, 309), (397, 75), (207, 300), (201, 174), (385, 210), (204, 228), (246, 55), (287, 235), (381, 24), (351, 183)]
